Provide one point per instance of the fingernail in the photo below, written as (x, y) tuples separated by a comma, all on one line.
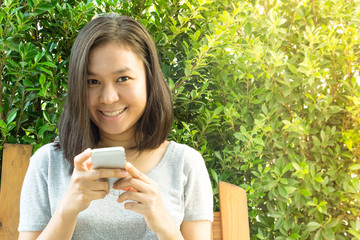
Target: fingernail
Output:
[(88, 151)]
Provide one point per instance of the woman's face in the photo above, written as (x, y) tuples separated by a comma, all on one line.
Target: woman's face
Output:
[(117, 95)]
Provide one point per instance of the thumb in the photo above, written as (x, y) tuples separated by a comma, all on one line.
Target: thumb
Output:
[(79, 160), (88, 164)]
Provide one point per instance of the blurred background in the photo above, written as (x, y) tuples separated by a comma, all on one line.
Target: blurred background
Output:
[(267, 91)]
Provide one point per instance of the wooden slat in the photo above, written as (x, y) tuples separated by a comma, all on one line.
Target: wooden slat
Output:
[(234, 212), (14, 165), (216, 227)]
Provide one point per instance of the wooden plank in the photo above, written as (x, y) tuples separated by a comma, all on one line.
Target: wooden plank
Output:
[(234, 212), (14, 165), (216, 227)]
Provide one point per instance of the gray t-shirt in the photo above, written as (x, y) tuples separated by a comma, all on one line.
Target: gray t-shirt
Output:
[(181, 175)]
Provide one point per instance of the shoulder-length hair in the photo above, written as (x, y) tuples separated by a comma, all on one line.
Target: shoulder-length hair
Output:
[(76, 129)]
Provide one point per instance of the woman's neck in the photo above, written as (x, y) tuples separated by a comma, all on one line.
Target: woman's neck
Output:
[(126, 141)]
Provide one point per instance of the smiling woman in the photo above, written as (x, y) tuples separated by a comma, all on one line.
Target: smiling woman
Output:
[(117, 96)]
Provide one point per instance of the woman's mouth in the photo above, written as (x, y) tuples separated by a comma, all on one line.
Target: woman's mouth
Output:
[(113, 113)]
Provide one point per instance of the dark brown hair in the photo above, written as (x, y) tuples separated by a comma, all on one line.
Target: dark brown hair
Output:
[(76, 130)]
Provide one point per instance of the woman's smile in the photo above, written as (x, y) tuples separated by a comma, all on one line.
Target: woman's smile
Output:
[(112, 114)]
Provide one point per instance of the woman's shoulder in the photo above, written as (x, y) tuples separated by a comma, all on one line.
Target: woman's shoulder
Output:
[(185, 153), (48, 148), (46, 154), (183, 148)]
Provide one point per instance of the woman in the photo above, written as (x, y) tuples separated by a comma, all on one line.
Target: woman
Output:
[(117, 96)]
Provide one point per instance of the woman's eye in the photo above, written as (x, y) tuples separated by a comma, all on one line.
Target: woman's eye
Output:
[(93, 82), (122, 79)]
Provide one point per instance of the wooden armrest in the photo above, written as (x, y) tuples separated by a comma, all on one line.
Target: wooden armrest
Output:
[(14, 165)]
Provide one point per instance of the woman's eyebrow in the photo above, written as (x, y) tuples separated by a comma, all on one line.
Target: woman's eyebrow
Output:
[(120, 71)]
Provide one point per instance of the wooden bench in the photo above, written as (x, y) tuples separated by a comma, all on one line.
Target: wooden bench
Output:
[(231, 223)]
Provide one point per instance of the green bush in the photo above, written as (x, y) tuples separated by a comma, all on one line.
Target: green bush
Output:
[(267, 91)]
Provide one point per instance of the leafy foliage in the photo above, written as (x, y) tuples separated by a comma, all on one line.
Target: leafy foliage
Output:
[(267, 91)]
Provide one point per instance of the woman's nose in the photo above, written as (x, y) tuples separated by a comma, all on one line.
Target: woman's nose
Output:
[(109, 94)]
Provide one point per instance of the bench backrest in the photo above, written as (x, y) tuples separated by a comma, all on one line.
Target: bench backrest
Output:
[(231, 223)]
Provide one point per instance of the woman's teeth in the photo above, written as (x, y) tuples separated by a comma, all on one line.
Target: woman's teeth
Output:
[(113, 114)]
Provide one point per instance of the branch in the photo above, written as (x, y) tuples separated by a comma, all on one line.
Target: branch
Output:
[(1, 72)]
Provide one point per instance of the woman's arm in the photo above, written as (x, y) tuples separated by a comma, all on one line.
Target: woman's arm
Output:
[(59, 227), (196, 230), (85, 186), (29, 235)]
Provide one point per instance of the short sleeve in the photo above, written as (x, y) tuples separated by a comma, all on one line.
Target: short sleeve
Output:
[(198, 194), (35, 210)]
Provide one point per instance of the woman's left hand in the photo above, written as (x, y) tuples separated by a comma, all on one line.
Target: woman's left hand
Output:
[(147, 201)]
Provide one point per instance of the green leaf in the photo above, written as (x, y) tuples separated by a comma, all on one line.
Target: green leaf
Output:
[(11, 126), (46, 116), (282, 191), (319, 179), (30, 2), (42, 130), (49, 64), (28, 139), (3, 124), (355, 167), (42, 79), (329, 234), (28, 83), (283, 181), (305, 192), (247, 28), (312, 226), (294, 236), (202, 2), (292, 68), (242, 129), (288, 167), (299, 12), (264, 109), (290, 189), (21, 48), (259, 141), (218, 110), (11, 117), (214, 175), (239, 136), (45, 7), (218, 155)]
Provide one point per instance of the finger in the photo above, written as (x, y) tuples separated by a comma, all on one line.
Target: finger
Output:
[(131, 184), (125, 188), (101, 185), (102, 173), (133, 206), (79, 160), (129, 189), (136, 173), (133, 196), (98, 194)]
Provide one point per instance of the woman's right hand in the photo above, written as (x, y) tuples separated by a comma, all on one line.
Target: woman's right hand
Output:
[(86, 184)]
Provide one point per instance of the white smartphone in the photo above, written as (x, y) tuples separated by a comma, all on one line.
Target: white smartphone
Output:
[(111, 157)]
